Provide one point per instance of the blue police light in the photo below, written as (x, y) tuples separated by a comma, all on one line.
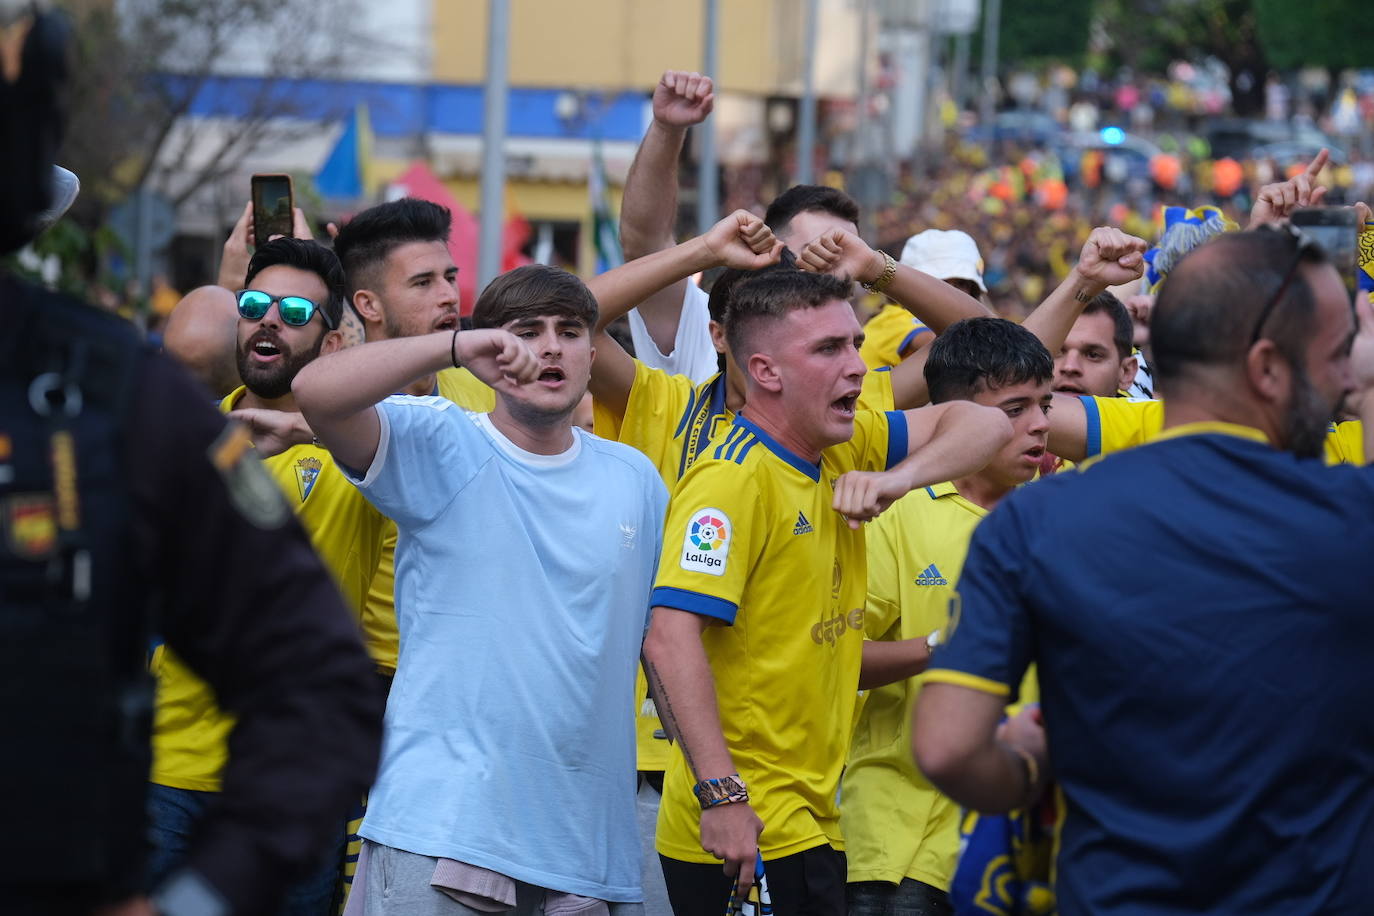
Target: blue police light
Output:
[(1113, 136)]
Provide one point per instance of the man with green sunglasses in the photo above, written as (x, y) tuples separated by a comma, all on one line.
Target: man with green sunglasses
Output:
[(288, 315), (277, 332)]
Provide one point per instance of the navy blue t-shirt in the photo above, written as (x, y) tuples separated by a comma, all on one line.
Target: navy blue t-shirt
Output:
[(1210, 703)]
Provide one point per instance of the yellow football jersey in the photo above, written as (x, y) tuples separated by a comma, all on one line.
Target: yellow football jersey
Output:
[(466, 390), (382, 638), (751, 540), (671, 421), (1114, 424), (1345, 443), (189, 730), (379, 613), (888, 335), (896, 824), (1117, 423)]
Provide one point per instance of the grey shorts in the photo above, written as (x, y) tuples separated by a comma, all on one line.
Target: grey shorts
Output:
[(396, 883)]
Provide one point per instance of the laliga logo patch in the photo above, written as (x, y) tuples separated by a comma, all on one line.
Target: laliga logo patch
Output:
[(706, 543)]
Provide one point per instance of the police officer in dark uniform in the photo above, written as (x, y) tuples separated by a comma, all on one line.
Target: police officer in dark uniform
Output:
[(130, 512)]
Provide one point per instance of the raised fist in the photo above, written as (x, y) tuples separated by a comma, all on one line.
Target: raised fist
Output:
[(842, 254), (743, 241), (683, 98), (1111, 257)]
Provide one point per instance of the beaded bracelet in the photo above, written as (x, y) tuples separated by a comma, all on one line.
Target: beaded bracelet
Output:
[(727, 790)]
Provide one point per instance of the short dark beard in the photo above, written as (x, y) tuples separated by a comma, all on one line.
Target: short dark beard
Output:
[(275, 382), (1305, 423), (535, 418), (391, 329)]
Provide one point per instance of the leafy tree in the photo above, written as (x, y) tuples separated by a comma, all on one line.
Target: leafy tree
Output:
[(140, 65), (1335, 34), (1147, 34), (1033, 32)]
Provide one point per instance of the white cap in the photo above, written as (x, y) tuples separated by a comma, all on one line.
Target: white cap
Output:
[(945, 253)]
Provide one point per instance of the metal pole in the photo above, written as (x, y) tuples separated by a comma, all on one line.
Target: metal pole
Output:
[(935, 64), (960, 75), (806, 127), (708, 180), (861, 112), (493, 142), (861, 157), (992, 22)]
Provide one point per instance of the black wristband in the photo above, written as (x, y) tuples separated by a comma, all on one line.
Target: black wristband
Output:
[(453, 348)]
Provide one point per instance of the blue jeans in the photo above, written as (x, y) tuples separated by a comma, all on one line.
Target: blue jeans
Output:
[(172, 818), (910, 898)]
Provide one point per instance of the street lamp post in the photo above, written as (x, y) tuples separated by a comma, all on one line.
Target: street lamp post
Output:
[(992, 22), (494, 97), (708, 197), (806, 128)]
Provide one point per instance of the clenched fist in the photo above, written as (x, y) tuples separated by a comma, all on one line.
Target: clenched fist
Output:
[(683, 98)]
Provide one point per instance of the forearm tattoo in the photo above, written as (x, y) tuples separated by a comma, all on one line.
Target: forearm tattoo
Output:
[(664, 704)]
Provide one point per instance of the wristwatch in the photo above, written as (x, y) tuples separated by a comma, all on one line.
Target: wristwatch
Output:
[(884, 279)]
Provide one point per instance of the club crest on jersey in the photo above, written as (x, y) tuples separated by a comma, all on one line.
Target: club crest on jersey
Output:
[(706, 543), (307, 472)]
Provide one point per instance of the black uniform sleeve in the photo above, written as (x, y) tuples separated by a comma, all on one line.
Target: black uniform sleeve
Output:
[(249, 606)]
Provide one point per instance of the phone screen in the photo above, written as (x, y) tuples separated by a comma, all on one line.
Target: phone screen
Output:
[(1336, 229), (272, 206)]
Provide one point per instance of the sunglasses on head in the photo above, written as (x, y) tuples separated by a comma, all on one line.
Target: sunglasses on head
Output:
[(1303, 245), (294, 310)]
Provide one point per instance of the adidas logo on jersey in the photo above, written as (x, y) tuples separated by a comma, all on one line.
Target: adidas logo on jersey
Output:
[(931, 576), (802, 526)]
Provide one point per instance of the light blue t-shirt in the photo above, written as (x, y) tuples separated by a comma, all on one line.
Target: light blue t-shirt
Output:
[(522, 586)]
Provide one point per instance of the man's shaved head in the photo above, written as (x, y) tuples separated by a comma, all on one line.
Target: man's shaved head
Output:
[(1259, 331), (1208, 306), (200, 334)]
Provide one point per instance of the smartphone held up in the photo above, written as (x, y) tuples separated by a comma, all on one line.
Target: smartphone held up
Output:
[(273, 207), (1336, 230)]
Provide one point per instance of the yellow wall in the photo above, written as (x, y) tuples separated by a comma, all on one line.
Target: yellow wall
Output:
[(627, 44)]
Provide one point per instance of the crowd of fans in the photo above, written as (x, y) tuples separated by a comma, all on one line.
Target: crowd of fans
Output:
[(669, 663), (778, 654), (1028, 218)]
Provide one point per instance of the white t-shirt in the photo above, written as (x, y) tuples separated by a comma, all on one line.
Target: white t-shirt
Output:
[(694, 354), (522, 587)]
